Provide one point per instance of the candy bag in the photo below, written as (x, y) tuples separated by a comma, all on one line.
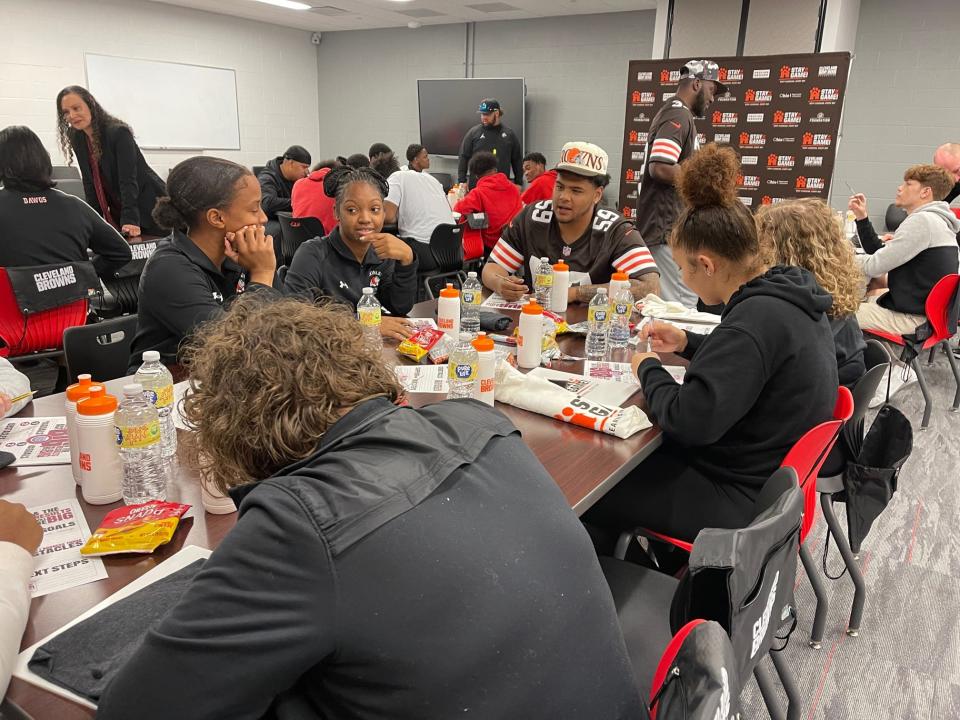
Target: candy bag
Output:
[(135, 528), (420, 343)]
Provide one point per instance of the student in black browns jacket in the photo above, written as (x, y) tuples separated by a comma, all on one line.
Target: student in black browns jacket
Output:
[(383, 563), (755, 385), (217, 248), (356, 254), (117, 181), (40, 225)]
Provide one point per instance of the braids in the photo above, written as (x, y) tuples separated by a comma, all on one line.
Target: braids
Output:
[(337, 181)]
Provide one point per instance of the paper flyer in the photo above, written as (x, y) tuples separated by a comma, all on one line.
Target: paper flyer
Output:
[(613, 371), (598, 391), (420, 323), (497, 302), (36, 440), (423, 378), (58, 564)]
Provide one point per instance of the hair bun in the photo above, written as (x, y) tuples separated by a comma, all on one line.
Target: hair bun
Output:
[(166, 215), (709, 177), (332, 180)]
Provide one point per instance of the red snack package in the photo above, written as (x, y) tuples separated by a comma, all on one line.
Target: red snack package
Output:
[(135, 528)]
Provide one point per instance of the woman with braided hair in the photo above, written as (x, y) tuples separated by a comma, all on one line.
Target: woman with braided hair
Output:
[(356, 254), (755, 385)]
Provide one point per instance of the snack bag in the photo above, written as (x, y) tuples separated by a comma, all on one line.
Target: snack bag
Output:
[(135, 528), (420, 343), (440, 352)]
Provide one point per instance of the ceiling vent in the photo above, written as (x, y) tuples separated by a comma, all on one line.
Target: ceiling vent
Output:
[(492, 7)]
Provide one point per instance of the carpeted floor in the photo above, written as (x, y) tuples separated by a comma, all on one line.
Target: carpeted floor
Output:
[(906, 662)]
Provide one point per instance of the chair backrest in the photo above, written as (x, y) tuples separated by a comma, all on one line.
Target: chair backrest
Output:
[(65, 172), (875, 354), (446, 246), (257, 169), (101, 349), (894, 217), (941, 309), (295, 232), (22, 334), (280, 277), (743, 578), (445, 180), (72, 186), (696, 678)]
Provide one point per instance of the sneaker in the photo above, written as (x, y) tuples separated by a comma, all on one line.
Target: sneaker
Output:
[(902, 375)]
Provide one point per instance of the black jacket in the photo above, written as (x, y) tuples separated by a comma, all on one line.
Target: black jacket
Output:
[(127, 177), (275, 189), (48, 227), (501, 141), (756, 384), (849, 343), (398, 572), (953, 194), (179, 289), (327, 265)]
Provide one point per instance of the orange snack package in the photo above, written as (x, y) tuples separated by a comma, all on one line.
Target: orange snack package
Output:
[(135, 528)]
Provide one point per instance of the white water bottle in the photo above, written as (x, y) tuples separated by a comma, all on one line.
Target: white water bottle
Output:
[(370, 315), (101, 472), (448, 311), (139, 438), (75, 392), (486, 369), (462, 368), (561, 287), (158, 389), (618, 281), (530, 340), (621, 308), (598, 317), (543, 284), (470, 299)]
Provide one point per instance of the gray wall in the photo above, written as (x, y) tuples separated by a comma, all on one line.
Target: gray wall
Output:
[(903, 99), (775, 27), (575, 70)]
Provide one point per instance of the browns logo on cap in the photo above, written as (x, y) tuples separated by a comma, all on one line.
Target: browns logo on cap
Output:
[(583, 158)]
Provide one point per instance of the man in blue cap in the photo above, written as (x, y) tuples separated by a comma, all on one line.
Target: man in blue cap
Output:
[(494, 137)]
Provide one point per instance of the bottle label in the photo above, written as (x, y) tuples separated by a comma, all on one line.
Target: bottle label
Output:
[(471, 298), (462, 371), (545, 280), (135, 437), (597, 314), (369, 317), (621, 308), (161, 397)]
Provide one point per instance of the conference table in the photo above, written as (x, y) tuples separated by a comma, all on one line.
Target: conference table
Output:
[(585, 464)]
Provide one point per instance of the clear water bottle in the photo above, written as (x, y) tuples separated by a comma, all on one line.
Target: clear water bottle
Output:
[(158, 388), (138, 435), (598, 315), (471, 294), (368, 311), (543, 283), (621, 307), (463, 368)]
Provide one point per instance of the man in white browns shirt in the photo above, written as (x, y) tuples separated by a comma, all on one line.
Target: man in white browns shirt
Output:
[(593, 241)]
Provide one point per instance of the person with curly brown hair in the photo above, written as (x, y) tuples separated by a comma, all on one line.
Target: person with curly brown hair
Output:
[(117, 181), (805, 233), (754, 386), (384, 564)]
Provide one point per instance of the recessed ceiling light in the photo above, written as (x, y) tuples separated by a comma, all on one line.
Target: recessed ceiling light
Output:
[(288, 4)]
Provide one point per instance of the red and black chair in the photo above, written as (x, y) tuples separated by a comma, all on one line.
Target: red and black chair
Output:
[(294, 232), (741, 578), (696, 678), (941, 310)]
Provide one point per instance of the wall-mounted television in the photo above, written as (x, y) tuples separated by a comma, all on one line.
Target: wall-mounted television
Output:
[(448, 108)]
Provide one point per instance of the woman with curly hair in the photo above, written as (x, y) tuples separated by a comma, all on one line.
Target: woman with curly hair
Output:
[(805, 233), (117, 181), (755, 385), (383, 564)]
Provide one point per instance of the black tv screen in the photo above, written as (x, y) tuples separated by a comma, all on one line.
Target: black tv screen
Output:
[(448, 108)]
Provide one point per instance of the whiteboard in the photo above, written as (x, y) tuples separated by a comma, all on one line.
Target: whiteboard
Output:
[(170, 106)]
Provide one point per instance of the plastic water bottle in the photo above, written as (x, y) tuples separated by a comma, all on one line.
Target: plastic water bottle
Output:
[(368, 311), (543, 283), (138, 435), (463, 368), (598, 315), (471, 294), (621, 307), (158, 388)]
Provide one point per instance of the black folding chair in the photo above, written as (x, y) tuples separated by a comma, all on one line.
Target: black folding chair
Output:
[(446, 246), (295, 232), (101, 349), (445, 180)]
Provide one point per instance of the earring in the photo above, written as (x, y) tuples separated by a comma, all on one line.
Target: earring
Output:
[(709, 273)]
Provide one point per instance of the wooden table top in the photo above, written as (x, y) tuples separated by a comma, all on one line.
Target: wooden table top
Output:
[(585, 464)]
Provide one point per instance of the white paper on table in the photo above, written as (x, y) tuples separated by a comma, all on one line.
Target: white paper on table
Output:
[(579, 278), (601, 391), (497, 302), (654, 306), (58, 564), (677, 372), (610, 371), (175, 562), (420, 323), (423, 378), (36, 440)]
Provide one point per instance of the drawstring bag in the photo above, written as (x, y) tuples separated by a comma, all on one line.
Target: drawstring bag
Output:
[(44, 287)]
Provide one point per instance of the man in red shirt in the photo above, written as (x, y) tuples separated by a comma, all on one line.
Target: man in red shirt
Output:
[(540, 181), (308, 199), (495, 196)]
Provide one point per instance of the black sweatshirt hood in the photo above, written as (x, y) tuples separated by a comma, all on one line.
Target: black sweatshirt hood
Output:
[(793, 284)]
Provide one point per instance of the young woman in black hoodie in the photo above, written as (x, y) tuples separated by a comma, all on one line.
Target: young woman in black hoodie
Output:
[(755, 385)]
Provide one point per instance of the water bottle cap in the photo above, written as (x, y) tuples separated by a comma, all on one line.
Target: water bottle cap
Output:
[(97, 402), (472, 274), (449, 291), (79, 389), (151, 356), (132, 390), (465, 337), (483, 343), (368, 291), (532, 308), (561, 266), (620, 277), (543, 259)]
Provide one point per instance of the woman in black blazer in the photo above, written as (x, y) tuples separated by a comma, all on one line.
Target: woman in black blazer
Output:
[(117, 181)]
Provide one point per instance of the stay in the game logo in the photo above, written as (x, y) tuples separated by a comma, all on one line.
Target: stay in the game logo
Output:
[(796, 73), (752, 140), (724, 119), (669, 77), (632, 176), (627, 211), (731, 75), (757, 97), (748, 181), (815, 140), (824, 96), (788, 118), (768, 200), (637, 138), (780, 162), (701, 139), (813, 184), (643, 98)]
